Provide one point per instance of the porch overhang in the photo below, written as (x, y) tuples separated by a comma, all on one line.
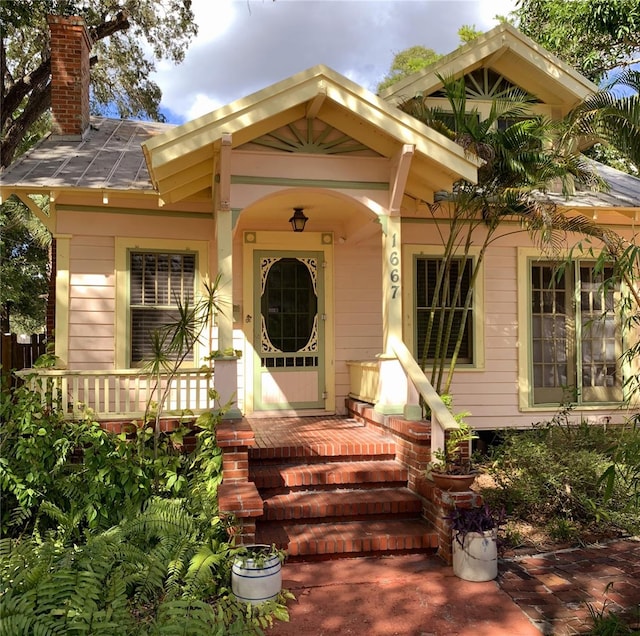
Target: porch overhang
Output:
[(182, 161)]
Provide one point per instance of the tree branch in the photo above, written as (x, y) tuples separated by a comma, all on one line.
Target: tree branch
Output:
[(39, 102), (106, 29), (25, 85)]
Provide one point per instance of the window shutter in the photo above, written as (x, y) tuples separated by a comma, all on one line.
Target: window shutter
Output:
[(158, 280), (427, 270)]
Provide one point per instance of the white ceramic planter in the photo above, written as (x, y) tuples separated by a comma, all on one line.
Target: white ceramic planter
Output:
[(477, 558), (256, 580)]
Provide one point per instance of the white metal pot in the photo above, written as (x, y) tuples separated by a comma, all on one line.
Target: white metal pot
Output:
[(256, 580), (477, 558)]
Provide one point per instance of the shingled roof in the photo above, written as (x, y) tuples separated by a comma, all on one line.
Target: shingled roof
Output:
[(109, 156)]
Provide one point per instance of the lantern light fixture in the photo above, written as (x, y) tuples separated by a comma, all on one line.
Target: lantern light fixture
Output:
[(298, 220)]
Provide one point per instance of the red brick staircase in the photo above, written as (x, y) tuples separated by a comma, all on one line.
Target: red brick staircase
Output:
[(345, 494), (331, 486)]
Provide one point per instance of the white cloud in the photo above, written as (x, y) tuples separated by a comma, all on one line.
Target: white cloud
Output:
[(247, 45), (214, 19), (201, 105)]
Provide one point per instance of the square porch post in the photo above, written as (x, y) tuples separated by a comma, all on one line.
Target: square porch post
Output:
[(226, 370)]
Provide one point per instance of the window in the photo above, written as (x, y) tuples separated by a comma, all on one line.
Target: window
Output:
[(426, 276), (158, 280), (575, 337)]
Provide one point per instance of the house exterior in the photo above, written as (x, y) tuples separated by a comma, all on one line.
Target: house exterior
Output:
[(142, 212)]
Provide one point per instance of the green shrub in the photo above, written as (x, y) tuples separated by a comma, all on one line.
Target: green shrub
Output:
[(561, 474), (77, 468)]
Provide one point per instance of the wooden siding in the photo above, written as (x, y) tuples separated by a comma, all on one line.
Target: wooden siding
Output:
[(91, 302), (358, 293)]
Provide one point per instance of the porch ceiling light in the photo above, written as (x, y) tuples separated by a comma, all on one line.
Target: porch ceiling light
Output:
[(298, 220)]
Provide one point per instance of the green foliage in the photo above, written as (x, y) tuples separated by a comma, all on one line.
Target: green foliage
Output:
[(163, 571), (593, 36), (451, 459), (408, 62), (121, 70), (606, 622), (24, 268), (110, 534), (553, 474)]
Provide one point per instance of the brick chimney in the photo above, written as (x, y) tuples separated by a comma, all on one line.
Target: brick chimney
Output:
[(70, 49)]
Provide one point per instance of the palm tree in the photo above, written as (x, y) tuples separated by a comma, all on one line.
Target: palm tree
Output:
[(523, 156), (612, 116)]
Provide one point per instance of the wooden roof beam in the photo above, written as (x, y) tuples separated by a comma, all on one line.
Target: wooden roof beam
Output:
[(400, 166), (314, 106)]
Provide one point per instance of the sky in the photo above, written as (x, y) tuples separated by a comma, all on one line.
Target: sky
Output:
[(246, 45)]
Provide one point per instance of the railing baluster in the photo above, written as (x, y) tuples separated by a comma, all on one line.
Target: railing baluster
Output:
[(106, 392), (121, 393)]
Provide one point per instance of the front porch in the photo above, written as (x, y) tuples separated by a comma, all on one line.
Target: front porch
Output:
[(323, 487)]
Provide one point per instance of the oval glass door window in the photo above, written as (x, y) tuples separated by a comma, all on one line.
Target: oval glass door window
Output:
[(289, 306)]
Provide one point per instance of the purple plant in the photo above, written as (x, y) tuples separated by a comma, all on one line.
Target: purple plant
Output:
[(477, 519)]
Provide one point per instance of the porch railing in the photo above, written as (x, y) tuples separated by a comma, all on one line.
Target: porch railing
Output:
[(441, 418), (369, 379), (120, 394)]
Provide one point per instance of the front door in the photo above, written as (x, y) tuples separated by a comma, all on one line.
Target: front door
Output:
[(290, 331)]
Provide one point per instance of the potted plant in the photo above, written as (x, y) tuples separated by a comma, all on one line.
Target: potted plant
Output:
[(256, 573), (475, 542), (452, 469)]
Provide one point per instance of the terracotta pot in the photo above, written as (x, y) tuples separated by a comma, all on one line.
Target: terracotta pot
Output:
[(453, 483)]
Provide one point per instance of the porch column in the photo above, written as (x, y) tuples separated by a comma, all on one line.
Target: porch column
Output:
[(226, 369), (392, 390), (392, 383)]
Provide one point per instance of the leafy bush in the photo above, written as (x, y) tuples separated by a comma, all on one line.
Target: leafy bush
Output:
[(113, 534), (561, 474), (135, 578), (81, 471)]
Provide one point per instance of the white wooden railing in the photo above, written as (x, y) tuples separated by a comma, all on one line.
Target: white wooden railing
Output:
[(441, 418), (369, 379), (120, 394)]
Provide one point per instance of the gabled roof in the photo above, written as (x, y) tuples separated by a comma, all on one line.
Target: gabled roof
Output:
[(511, 54), (181, 161)]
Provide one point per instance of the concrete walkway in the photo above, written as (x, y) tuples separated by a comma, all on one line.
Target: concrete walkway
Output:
[(418, 595)]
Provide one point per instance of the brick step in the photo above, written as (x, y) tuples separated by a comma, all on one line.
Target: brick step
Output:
[(302, 458), (349, 537), (282, 477), (337, 504), (325, 451)]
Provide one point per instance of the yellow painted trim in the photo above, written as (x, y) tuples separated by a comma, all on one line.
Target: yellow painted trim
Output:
[(287, 241), (409, 251), (122, 248), (61, 335), (474, 53), (168, 153)]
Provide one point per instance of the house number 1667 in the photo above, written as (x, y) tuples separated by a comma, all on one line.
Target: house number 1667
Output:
[(394, 274)]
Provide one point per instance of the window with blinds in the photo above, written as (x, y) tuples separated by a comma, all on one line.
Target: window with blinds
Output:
[(158, 281), (426, 277)]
